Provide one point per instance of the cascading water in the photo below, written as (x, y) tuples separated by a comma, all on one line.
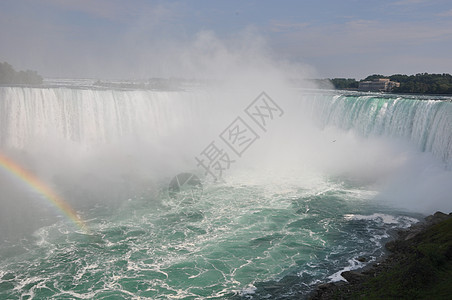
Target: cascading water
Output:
[(91, 117), (423, 121), (287, 215)]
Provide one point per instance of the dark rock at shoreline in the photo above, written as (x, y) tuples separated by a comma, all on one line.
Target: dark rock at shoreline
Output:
[(327, 290), (353, 276), (413, 254), (361, 259)]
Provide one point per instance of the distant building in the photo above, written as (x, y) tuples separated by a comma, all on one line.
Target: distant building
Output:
[(378, 85)]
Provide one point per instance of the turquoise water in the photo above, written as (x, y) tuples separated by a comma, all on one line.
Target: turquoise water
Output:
[(423, 120), (301, 208), (228, 243)]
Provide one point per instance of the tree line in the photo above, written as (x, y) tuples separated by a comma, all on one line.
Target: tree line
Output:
[(10, 76), (421, 83)]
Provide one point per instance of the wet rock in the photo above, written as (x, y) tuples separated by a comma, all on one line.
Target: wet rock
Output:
[(325, 286), (392, 246), (414, 230), (353, 276), (324, 291), (417, 228), (361, 259), (400, 258)]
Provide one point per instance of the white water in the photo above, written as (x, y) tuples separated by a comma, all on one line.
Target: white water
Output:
[(298, 207), (69, 136), (425, 122)]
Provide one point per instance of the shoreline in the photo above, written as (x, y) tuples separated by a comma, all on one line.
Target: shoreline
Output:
[(372, 279)]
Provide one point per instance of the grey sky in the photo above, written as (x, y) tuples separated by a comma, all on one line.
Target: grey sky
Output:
[(142, 39)]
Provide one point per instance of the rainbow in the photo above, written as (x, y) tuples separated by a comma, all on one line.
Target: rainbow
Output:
[(32, 181)]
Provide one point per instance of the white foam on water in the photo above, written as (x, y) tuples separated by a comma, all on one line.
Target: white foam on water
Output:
[(404, 221), (387, 219), (249, 290), (266, 207), (353, 265)]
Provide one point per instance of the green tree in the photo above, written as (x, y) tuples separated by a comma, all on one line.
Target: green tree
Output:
[(424, 83), (344, 83), (10, 76), (373, 77)]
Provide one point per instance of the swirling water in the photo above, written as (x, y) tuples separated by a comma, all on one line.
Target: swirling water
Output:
[(221, 246), (243, 238)]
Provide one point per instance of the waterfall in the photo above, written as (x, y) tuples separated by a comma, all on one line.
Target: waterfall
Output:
[(90, 116), (425, 122)]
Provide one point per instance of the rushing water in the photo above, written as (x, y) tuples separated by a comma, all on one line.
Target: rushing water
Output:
[(285, 217)]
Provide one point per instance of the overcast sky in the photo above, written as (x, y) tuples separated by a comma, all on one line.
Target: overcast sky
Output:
[(146, 38)]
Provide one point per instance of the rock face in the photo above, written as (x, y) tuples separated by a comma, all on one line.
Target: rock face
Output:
[(409, 255), (437, 218), (353, 276), (361, 259)]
